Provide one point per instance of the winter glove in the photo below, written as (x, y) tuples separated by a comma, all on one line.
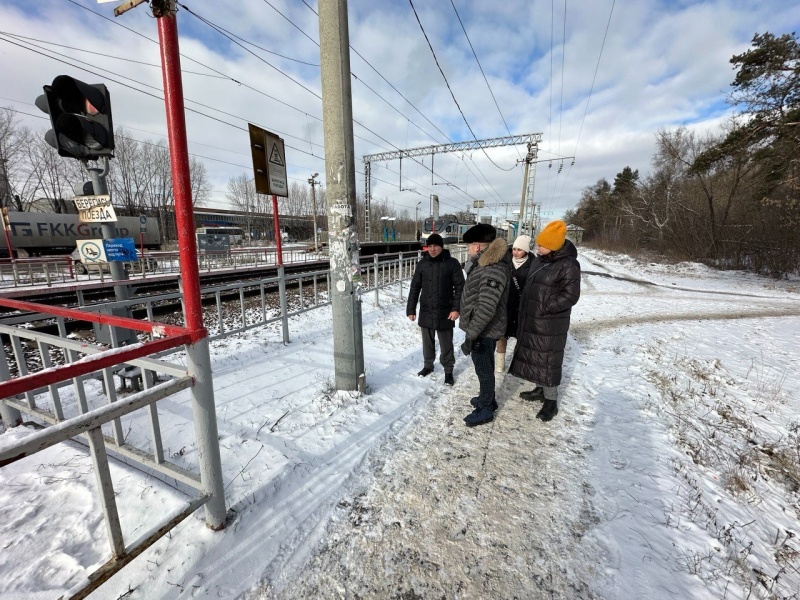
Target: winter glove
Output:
[(466, 347)]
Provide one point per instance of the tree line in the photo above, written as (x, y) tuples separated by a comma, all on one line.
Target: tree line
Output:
[(729, 198)]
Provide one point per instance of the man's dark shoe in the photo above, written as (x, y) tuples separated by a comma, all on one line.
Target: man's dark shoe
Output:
[(474, 402), (548, 411), (425, 372), (448, 379), (479, 416), (536, 393)]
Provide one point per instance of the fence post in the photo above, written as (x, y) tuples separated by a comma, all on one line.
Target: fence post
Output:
[(11, 416), (377, 298), (400, 273), (284, 310), (198, 361)]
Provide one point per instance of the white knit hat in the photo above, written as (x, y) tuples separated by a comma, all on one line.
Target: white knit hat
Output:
[(523, 242)]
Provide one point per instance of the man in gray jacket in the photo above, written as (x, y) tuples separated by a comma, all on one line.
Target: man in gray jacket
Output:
[(483, 312)]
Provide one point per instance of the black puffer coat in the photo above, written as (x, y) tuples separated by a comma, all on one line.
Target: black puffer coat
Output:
[(440, 280), (552, 289), (515, 287), (485, 298)]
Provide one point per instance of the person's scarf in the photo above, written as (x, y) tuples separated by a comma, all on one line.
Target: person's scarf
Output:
[(518, 262)]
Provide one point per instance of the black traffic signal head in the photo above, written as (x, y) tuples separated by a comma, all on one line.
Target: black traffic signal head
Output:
[(80, 114)]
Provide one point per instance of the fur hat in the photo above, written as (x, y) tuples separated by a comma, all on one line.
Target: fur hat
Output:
[(552, 236), (435, 239), (523, 243), (482, 232)]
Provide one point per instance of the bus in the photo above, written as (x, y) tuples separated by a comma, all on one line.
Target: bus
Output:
[(235, 234)]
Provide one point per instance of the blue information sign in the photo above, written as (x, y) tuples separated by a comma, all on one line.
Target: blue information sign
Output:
[(120, 250)]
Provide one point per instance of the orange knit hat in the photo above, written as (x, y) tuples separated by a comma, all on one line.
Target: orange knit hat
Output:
[(552, 236)]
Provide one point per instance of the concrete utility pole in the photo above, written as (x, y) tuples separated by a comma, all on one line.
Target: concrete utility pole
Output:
[(340, 172)]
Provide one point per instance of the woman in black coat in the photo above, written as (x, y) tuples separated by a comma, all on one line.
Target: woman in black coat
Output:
[(519, 259), (552, 289)]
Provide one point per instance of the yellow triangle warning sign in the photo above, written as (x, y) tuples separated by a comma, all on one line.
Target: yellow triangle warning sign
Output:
[(275, 156)]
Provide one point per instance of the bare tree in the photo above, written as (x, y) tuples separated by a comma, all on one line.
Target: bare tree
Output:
[(242, 196), (13, 141), (201, 186), (129, 175)]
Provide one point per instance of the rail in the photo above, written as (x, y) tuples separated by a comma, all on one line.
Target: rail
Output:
[(82, 414)]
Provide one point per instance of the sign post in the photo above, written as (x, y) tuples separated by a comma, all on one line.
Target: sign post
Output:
[(100, 208), (269, 171), (6, 229), (142, 231)]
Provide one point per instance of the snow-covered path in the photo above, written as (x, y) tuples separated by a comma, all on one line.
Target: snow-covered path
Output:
[(680, 388), (525, 509)]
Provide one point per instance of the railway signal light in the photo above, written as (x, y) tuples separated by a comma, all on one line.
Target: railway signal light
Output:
[(80, 114)]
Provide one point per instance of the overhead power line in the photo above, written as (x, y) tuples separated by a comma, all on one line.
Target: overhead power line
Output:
[(591, 89), (466, 35), (447, 83), (225, 34)]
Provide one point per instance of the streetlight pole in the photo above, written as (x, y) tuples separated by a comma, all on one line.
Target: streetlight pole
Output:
[(314, 183), (416, 219)]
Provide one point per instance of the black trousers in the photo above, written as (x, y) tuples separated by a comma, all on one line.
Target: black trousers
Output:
[(483, 358), (446, 355)]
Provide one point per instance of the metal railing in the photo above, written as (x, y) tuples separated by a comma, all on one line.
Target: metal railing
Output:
[(85, 415), (50, 271), (26, 272)]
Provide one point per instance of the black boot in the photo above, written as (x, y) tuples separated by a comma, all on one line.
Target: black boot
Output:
[(474, 402), (536, 393), (448, 379), (425, 372), (548, 411), (479, 416)]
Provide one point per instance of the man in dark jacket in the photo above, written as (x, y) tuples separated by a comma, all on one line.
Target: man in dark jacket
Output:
[(483, 312), (552, 289), (439, 280)]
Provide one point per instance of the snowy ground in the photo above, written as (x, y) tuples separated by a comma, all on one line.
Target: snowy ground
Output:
[(672, 469)]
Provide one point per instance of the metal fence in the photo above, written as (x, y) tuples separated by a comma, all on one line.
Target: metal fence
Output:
[(51, 271), (87, 412)]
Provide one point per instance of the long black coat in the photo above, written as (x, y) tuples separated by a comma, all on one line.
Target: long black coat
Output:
[(552, 289), (515, 287), (440, 281)]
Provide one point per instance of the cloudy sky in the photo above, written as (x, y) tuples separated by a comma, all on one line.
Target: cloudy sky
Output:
[(597, 78)]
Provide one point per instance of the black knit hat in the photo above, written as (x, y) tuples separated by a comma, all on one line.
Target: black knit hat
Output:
[(482, 232), (435, 239)]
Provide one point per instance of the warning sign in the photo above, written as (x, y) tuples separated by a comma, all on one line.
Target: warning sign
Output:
[(87, 202), (276, 166), (275, 156), (98, 214)]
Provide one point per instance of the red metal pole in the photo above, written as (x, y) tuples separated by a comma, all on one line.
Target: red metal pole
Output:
[(277, 224), (179, 160)]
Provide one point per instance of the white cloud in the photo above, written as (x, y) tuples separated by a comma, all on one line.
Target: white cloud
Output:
[(664, 64)]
